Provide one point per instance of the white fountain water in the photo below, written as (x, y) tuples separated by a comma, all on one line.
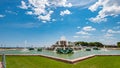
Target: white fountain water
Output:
[(25, 49), (74, 49), (82, 49), (64, 48), (104, 49), (62, 38), (55, 49), (64, 44)]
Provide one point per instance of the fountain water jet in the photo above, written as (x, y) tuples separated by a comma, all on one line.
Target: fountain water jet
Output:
[(25, 49), (63, 46), (104, 49)]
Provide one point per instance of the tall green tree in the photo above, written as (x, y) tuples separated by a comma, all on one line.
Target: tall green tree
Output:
[(81, 43), (98, 44), (91, 44), (84, 43), (118, 44), (77, 43)]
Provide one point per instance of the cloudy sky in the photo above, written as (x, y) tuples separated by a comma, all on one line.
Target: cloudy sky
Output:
[(43, 22)]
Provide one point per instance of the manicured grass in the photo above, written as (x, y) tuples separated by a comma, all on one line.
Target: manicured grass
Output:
[(0, 58), (41, 62)]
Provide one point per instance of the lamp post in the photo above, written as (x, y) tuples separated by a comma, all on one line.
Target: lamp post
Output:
[(3, 61)]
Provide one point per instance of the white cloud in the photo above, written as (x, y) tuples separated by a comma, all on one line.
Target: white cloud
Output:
[(82, 32), (81, 3), (113, 31), (46, 17), (76, 36), (60, 3), (85, 30), (108, 35), (109, 8), (23, 5), (25, 25), (53, 20), (42, 8), (65, 12), (11, 12), (103, 30), (97, 19), (38, 7), (44, 21), (2, 15), (89, 28), (96, 5), (29, 12), (81, 37), (85, 36)]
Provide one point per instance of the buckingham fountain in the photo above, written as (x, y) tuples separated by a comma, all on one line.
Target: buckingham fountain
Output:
[(63, 46)]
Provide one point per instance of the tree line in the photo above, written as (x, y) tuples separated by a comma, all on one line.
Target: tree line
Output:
[(97, 44), (118, 44), (82, 43)]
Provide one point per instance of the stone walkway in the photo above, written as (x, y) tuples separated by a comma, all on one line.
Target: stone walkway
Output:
[(0, 64)]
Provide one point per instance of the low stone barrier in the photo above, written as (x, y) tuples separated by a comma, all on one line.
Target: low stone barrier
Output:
[(82, 58), (68, 60)]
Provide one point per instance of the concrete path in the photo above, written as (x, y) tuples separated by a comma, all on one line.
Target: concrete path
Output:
[(0, 64)]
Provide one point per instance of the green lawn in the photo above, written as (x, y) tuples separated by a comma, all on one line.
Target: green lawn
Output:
[(41, 62), (0, 58)]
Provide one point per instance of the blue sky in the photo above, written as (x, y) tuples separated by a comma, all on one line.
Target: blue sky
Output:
[(43, 22)]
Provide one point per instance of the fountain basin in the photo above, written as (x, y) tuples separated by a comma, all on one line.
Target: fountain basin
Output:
[(77, 54)]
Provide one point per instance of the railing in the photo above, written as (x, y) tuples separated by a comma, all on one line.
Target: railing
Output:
[(3, 61)]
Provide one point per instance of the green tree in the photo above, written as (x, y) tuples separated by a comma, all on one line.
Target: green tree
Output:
[(84, 43), (118, 44), (81, 43), (91, 44), (98, 44), (77, 43)]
